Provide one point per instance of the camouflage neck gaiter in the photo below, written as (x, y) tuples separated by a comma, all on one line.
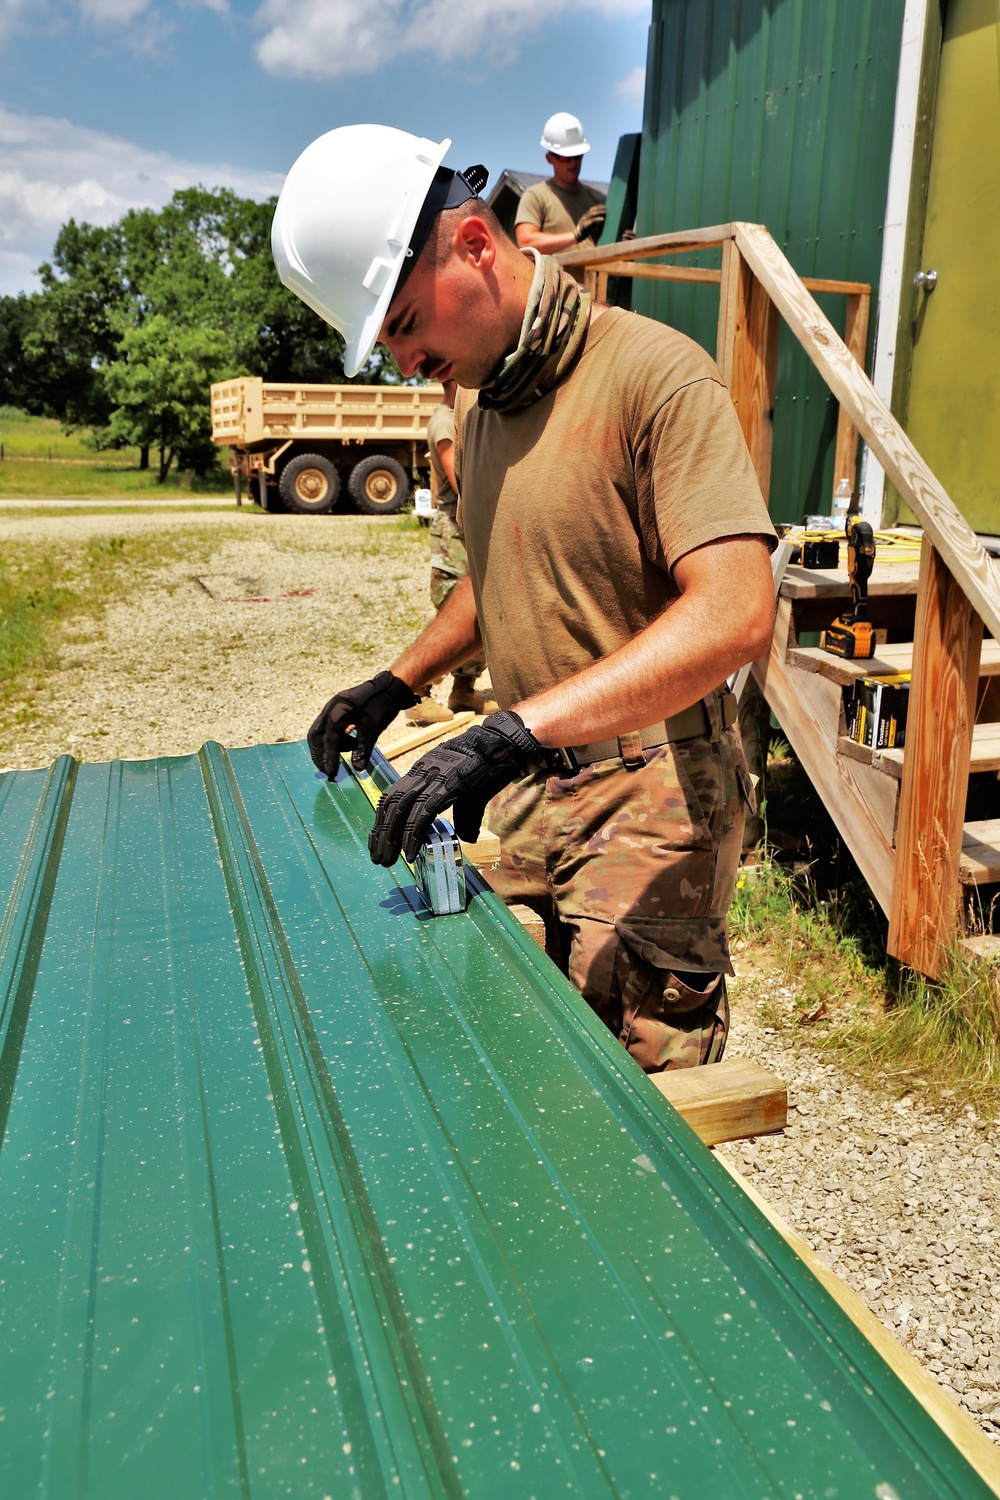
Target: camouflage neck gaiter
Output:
[(552, 337)]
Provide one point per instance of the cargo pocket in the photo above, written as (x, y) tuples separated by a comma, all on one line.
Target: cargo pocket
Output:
[(674, 1012)]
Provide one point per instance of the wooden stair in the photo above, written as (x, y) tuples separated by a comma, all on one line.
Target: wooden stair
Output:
[(809, 690)]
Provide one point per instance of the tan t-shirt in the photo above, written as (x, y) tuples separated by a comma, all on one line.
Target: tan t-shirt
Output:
[(441, 429), (576, 508), (553, 210)]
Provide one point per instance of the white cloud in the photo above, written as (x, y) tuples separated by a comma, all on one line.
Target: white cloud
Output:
[(632, 88), (317, 39), (52, 170), (16, 14)]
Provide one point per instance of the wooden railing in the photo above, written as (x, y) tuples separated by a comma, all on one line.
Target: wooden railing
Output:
[(958, 590)]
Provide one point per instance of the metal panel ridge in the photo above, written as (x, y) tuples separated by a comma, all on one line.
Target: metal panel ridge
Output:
[(306, 1192)]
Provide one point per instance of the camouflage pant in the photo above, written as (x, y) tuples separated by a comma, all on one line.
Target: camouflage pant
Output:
[(633, 873), (449, 565)]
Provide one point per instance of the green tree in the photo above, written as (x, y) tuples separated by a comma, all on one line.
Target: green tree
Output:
[(157, 387), (201, 263)]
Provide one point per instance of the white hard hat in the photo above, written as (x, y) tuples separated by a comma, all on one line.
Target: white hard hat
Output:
[(344, 221), (564, 135)]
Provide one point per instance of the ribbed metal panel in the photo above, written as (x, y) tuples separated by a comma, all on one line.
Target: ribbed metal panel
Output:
[(779, 112), (304, 1192)]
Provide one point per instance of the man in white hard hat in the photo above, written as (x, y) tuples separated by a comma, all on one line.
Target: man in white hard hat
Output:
[(562, 212), (619, 572)]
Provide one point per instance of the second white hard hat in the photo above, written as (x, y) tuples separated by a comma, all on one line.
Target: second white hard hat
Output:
[(564, 135), (343, 225)]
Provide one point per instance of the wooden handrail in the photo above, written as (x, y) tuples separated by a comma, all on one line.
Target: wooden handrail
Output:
[(943, 523)]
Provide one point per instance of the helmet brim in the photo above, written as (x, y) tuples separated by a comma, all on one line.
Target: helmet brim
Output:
[(566, 150)]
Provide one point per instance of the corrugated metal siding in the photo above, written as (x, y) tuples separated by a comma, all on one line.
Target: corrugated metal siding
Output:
[(305, 1193), (779, 112)]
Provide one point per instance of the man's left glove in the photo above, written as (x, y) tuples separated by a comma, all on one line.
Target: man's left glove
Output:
[(367, 709), (590, 224), (463, 775)]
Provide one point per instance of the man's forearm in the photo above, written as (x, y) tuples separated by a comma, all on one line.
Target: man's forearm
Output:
[(542, 241), (716, 625), (451, 639)]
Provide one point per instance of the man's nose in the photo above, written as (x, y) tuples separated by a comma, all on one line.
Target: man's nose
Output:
[(408, 357)]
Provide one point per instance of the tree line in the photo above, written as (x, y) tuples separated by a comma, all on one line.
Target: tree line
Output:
[(135, 321)]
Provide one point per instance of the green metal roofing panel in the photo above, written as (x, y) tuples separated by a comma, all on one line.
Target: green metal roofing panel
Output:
[(779, 112), (304, 1192)]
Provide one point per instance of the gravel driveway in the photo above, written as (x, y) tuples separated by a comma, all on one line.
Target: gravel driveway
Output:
[(245, 638)]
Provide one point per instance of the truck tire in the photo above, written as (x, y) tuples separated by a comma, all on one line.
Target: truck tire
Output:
[(309, 484), (379, 486)]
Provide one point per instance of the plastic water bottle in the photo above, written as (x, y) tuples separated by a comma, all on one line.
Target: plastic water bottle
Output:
[(842, 501)]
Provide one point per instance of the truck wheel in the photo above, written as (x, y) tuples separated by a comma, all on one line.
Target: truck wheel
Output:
[(309, 484), (379, 486)]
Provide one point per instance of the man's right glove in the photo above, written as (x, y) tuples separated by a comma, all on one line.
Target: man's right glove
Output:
[(367, 709), (591, 223), (463, 775)]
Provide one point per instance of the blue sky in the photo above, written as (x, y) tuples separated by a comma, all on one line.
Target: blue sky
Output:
[(106, 104)]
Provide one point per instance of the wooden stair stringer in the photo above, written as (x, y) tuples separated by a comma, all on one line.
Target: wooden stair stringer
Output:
[(861, 800)]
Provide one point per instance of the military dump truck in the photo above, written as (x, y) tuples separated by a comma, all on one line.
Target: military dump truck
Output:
[(300, 446)]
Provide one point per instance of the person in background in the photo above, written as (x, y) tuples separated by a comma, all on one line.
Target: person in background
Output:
[(563, 212), (449, 565)]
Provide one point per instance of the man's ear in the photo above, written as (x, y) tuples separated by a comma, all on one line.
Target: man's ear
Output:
[(475, 243)]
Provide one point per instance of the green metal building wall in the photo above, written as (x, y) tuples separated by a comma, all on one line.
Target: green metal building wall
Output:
[(779, 112)]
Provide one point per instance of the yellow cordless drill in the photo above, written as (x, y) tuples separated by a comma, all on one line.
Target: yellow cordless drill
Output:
[(851, 634)]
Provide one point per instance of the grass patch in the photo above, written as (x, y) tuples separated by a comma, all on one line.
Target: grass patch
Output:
[(41, 458), (45, 586), (99, 477), (829, 978)]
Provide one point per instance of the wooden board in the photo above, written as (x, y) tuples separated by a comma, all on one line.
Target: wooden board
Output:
[(809, 709), (897, 658), (825, 583), (845, 462), (394, 749), (980, 859), (956, 1424), (650, 244), (953, 538), (727, 1101), (924, 915)]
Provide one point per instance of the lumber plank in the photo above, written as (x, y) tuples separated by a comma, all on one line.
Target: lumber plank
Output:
[(838, 288), (640, 271), (896, 658), (924, 913), (809, 709), (725, 341), (952, 536), (418, 737), (956, 1424), (755, 323), (829, 583), (845, 462), (530, 921), (650, 244), (985, 755), (980, 859), (727, 1101)]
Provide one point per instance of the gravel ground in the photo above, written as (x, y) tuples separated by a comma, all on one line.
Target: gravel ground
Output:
[(243, 640), (900, 1199)]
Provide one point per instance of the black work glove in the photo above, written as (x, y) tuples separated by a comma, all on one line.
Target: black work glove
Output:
[(367, 709), (590, 224), (462, 774)]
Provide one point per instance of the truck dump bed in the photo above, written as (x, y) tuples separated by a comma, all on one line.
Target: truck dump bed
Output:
[(252, 410)]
